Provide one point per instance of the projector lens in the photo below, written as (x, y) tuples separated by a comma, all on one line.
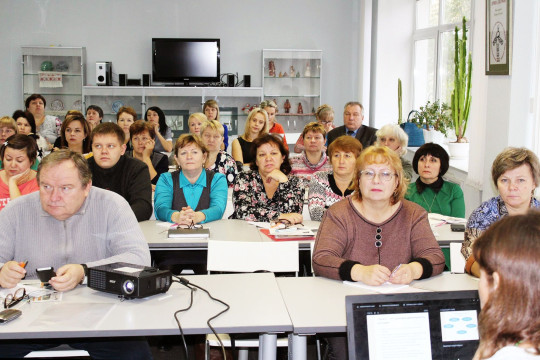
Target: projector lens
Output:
[(128, 287)]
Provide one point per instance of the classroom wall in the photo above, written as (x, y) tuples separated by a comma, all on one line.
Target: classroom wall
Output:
[(121, 30)]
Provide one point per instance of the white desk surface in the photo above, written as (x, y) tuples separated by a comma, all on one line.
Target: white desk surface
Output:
[(317, 305), (224, 229), (445, 235), (255, 301)]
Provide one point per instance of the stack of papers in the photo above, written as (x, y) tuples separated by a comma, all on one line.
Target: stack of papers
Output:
[(189, 233)]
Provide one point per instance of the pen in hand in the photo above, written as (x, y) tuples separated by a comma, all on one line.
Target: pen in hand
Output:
[(395, 269), (23, 265)]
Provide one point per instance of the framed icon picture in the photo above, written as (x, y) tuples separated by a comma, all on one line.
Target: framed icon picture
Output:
[(498, 37)]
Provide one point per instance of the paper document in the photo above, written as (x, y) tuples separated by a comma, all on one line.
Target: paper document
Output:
[(385, 288)]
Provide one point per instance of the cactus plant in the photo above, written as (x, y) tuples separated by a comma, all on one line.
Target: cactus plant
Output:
[(461, 95), (400, 118)]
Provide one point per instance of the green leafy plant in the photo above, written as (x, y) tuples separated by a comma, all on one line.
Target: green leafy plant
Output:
[(461, 95), (434, 116), (400, 118)]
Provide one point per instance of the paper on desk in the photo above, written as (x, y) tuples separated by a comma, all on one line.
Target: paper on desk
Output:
[(385, 288), (73, 315), (29, 290), (435, 219)]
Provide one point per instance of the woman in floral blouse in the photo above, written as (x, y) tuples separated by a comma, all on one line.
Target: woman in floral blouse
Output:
[(267, 192), (218, 160)]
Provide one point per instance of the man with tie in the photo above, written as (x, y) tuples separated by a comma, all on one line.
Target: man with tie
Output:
[(353, 115)]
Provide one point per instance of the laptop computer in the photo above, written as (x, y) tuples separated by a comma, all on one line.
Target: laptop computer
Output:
[(422, 325)]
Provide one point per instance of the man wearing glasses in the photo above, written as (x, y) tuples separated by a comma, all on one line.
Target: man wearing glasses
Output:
[(353, 116), (69, 225)]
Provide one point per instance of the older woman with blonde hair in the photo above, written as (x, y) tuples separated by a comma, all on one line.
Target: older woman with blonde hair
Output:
[(393, 136), (516, 174), (243, 149), (218, 160)]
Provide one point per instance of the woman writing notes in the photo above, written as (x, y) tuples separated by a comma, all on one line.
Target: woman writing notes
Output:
[(508, 255), (430, 191), (243, 147), (268, 192), (191, 194), (516, 173)]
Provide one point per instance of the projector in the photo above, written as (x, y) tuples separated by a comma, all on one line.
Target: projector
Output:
[(129, 280)]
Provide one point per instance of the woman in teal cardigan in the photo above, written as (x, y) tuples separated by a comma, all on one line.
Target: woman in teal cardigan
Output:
[(430, 191)]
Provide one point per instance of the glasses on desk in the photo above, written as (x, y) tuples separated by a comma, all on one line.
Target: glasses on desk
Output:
[(13, 299), (285, 224), (190, 226)]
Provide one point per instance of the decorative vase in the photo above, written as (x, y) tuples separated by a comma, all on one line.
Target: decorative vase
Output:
[(458, 150)]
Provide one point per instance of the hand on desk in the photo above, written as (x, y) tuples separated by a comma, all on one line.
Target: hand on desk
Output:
[(406, 273), (67, 277), (370, 275), (187, 215), (10, 274)]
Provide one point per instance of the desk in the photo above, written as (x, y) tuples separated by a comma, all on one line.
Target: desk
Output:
[(255, 301), (317, 305)]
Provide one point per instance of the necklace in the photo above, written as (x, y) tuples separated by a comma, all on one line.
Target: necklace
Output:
[(425, 202)]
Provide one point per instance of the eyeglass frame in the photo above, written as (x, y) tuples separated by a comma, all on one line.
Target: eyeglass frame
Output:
[(190, 226), (382, 175), (12, 299)]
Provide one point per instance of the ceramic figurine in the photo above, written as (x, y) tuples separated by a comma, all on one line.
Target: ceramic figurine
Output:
[(300, 110), (280, 74), (271, 69), (287, 106), (292, 73), (307, 72), (298, 74)]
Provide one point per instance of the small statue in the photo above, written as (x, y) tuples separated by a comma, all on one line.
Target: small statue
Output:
[(287, 106), (246, 109), (300, 110), (292, 73), (271, 69), (285, 74), (280, 74), (307, 72), (298, 74)]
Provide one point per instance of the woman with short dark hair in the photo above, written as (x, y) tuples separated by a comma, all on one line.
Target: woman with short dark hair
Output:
[(430, 190), (47, 126), (94, 116), (268, 192)]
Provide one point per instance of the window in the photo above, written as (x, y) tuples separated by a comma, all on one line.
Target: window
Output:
[(434, 47)]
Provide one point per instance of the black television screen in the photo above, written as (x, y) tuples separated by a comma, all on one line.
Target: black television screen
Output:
[(185, 60)]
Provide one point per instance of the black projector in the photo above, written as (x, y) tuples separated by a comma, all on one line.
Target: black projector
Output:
[(129, 280)]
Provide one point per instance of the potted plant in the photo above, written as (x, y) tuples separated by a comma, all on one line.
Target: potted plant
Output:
[(435, 119), (461, 95), (400, 118)]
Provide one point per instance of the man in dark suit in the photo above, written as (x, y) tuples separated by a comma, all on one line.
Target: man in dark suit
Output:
[(353, 115)]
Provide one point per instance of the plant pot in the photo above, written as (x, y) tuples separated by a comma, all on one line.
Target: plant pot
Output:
[(458, 150), (434, 136)]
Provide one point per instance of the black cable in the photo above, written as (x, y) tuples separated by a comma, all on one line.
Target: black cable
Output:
[(186, 283), (182, 310)]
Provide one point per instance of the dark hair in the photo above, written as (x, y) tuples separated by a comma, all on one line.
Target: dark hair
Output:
[(20, 142), (434, 150), (28, 116), (271, 139), (510, 247), (34, 97), (108, 128), (162, 123), (58, 156), (140, 126), (86, 145), (96, 108)]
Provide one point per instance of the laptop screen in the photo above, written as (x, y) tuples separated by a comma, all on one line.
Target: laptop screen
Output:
[(424, 325)]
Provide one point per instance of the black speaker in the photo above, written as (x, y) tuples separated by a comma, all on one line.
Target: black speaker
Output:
[(146, 80), (230, 80), (122, 79), (247, 80)]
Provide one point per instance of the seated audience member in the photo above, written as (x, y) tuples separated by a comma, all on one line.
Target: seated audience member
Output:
[(191, 194), (94, 116), (194, 123), (430, 191), (124, 118), (48, 126), (27, 126), (211, 110), (74, 135), (268, 192), (353, 116), (325, 116), (143, 137), (121, 174), (328, 187), (313, 158), (375, 235), (508, 255), (8, 127), (393, 136), (516, 174), (156, 117), (273, 127), (17, 153), (243, 146), (93, 227), (217, 160)]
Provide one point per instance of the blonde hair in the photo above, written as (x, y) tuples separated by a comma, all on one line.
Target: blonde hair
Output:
[(268, 103), (324, 111), (252, 113), (199, 116), (7, 121), (396, 132), (381, 155), (212, 125)]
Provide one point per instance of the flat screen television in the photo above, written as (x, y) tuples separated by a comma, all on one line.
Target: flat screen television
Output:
[(185, 61)]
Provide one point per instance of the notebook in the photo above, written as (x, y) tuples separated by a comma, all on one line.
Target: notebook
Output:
[(423, 325), (189, 233)]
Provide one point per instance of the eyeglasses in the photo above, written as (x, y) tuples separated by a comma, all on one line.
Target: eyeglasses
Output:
[(13, 299), (384, 176), (285, 224), (190, 226)]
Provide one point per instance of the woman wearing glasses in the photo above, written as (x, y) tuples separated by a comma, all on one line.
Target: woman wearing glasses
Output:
[(191, 195)]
